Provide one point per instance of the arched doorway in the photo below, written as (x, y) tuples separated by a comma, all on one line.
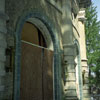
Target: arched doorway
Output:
[(49, 32), (36, 75)]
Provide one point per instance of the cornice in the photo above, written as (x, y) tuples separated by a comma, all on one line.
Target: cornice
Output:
[(84, 3)]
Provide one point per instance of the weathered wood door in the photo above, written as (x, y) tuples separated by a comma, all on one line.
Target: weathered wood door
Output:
[(36, 81)]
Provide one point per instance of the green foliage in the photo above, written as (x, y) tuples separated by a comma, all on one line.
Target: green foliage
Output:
[(92, 28)]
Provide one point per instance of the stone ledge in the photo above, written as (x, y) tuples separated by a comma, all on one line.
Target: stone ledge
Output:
[(69, 46), (71, 98), (70, 80), (84, 3)]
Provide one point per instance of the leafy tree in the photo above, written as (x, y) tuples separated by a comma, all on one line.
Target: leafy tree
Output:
[(92, 28)]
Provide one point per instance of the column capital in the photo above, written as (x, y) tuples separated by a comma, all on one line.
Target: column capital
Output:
[(69, 50), (68, 46), (81, 16)]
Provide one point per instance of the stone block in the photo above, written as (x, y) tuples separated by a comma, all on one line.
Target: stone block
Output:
[(2, 5), (85, 92), (2, 73), (2, 58), (84, 63), (2, 36), (71, 68), (2, 51), (86, 95), (87, 98), (69, 58), (3, 44), (71, 76), (70, 85), (86, 80), (85, 68), (2, 88), (85, 86), (2, 22), (3, 16), (71, 93), (3, 29), (2, 68)]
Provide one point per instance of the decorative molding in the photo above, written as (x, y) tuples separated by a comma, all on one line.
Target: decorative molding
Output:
[(81, 16), (69, 46), (84, 3), (84, 60)]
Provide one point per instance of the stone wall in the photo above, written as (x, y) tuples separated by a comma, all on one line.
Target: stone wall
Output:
[(61, 15), (15, 9)]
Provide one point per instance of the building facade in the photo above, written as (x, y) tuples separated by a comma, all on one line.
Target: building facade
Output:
[(42, 50)]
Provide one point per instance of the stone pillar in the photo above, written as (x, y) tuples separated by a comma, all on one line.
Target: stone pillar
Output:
[(69, 54), (70, 73), (85, 69), (3, 46)]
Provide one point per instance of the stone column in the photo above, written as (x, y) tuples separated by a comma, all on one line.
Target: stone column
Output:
[(70, 73), (69, 52), (3, 46), (85, 69)]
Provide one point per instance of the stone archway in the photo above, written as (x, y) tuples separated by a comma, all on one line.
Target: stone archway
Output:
[(51, 38)]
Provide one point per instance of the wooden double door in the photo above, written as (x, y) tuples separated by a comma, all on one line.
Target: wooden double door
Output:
[(36, 73)]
